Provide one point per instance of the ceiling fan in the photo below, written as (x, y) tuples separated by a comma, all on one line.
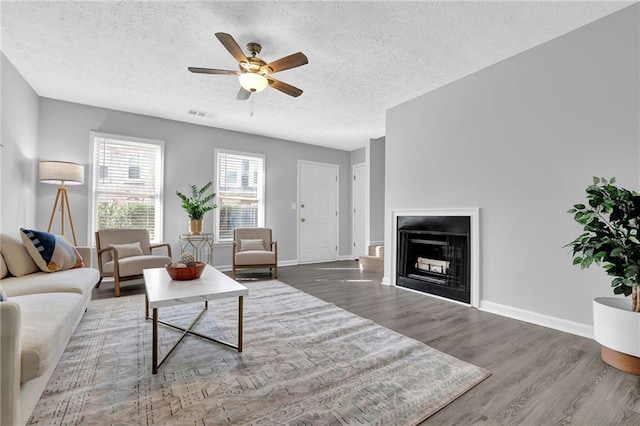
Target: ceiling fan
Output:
[(255, 74)]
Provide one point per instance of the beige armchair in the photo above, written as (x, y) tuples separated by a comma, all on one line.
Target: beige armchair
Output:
[(124, 253), (254, 248)]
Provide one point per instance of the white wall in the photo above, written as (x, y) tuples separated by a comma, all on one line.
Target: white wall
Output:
[(18, 151), (521, 141), (189, 159)]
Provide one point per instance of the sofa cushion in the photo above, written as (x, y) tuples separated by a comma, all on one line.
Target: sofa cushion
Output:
[(128, 250), (80, 281), (3, 296), (51, 252), (255, 257), (4, 271), (257, 244), (45, 333), (15, 254), (131, 266)]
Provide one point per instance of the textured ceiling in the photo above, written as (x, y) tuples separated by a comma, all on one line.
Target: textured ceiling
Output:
[(364, 57)]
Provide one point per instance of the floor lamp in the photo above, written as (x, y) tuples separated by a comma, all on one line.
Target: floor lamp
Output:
[(61, 173)]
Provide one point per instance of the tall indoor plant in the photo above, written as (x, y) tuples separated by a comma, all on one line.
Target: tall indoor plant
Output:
[(610, 221), (610, 238), (196, 205)]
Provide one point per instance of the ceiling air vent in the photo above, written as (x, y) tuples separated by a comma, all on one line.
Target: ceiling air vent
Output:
[(199, 113)]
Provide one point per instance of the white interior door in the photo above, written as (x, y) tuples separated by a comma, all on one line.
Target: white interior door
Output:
[(358, 191), (317, 212)]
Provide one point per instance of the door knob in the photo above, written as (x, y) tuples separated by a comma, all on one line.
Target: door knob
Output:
[(302, 220)]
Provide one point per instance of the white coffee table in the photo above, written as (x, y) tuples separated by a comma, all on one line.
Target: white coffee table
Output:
[(161, 291)]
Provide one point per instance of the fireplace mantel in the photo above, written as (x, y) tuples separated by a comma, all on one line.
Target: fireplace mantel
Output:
[(474, 215)]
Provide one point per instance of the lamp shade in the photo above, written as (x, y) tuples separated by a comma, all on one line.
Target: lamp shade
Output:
[(61, 172), (253, 82)]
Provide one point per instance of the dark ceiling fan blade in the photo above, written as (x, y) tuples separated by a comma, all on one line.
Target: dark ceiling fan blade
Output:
[(212, 71), (288, 62), (230, 44), (243, 94), (284, 87)]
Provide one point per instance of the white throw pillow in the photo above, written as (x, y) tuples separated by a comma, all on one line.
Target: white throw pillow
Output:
[(128, 250), (15, 254), (252, 245)]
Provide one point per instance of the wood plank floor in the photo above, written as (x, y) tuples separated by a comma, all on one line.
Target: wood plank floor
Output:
[(539, 376)]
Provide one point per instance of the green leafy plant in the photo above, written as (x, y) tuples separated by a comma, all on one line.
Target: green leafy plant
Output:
[(195, 205), (610, 237)]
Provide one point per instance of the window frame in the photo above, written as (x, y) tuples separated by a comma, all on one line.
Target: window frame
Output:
[(261, 192), (91, 220)]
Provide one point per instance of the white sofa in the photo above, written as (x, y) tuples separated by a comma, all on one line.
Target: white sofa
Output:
[(40, 314)]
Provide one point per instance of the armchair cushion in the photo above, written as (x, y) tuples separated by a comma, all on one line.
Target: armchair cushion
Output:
[(128, 250), (255, 257), (134, 265), (51, 252), (257, 244)]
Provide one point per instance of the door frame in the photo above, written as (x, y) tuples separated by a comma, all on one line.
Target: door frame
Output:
[(353, 203), (299, 213)]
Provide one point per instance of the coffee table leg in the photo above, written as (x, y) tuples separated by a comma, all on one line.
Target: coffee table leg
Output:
[(146, 306), (240, 315), (154, 357)]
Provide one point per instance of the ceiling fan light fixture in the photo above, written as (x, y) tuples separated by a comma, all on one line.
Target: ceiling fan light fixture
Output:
[(253, 82)]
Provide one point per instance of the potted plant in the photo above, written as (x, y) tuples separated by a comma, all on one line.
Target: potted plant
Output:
[(610, 239), (196, 206)]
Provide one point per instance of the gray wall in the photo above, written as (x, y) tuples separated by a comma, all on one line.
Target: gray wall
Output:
[(18, 150), (525, 137), (358, 156), (189, 159), (376, 163)]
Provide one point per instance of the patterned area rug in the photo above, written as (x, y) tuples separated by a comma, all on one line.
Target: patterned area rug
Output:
[(305, 362)]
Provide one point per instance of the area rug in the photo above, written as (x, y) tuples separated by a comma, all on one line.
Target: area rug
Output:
[(305, 362)]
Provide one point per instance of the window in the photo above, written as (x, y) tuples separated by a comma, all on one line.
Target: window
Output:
[(240, 192), (127, 184), (134, 168)]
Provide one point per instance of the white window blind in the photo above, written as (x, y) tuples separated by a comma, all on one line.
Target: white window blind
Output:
[(127, 184), (240, 192)]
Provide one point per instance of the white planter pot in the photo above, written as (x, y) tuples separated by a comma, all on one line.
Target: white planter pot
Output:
[(616, 326)]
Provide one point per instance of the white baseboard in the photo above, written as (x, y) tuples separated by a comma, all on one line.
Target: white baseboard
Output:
[(376, 243), (538, 319), (386, 281), (346, 257)]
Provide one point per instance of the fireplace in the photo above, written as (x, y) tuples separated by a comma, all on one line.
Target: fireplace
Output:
[(434, 255)]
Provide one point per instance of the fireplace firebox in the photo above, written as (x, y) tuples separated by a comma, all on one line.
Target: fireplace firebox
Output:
[(433, 255)]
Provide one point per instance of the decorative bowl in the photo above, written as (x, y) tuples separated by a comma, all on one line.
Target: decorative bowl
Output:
[(186, 273)]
